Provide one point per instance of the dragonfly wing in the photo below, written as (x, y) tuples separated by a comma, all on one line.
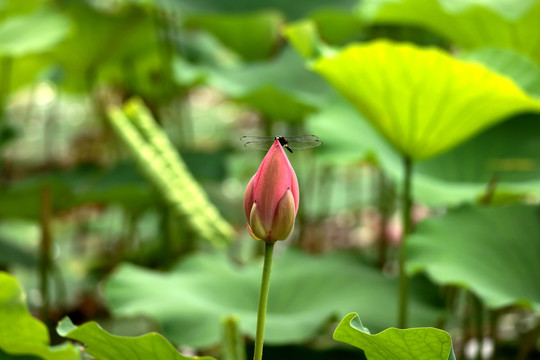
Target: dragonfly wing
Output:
[(250, 138), (303, 138), (294, 142), (304, 144), (258, 145)]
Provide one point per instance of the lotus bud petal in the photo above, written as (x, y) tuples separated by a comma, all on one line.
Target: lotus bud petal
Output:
[(256, 225), (272, 197), (284, 218)]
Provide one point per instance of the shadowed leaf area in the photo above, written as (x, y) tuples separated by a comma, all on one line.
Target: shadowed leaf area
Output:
[(493, 252), (102, 345)]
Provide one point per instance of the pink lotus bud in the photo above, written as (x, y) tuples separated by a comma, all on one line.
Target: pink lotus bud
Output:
[(271, 198)]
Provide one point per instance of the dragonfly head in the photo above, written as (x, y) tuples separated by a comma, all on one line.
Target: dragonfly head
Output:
[(284, 143)]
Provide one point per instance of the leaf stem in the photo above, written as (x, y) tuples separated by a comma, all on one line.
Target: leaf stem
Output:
[(385, 198), (45, 251), (406, 209), (263, 300)]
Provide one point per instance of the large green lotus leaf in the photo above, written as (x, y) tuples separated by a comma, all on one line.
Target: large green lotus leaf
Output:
[(20, 332), (253, 36), (349, 138), (306, 291), (423, 101), (507, 150), (519, 68), (507, 62), (284, 81), (102, 345), (493, 252), (395, 344), (33, 33), (470, 23)]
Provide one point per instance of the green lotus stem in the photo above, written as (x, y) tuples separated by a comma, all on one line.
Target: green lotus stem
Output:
[(406, 209), (45, 252), (263, 300), (385, 200), (494, 320), (478, 323)]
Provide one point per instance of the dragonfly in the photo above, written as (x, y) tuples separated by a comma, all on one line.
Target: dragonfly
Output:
[(289, 142)]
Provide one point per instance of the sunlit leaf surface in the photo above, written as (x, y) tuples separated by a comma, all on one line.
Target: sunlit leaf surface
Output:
[(506, 153), (20, 332), (422, 101), (523, 71), (493, 252), (395, 344)]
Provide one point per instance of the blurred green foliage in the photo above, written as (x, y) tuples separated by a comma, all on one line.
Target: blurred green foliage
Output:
[(307, 291)]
